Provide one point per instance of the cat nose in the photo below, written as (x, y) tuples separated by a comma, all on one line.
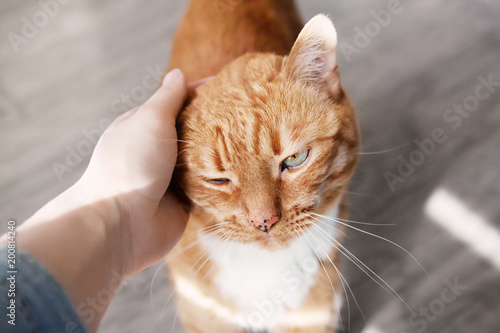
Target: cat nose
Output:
[(264, 221)]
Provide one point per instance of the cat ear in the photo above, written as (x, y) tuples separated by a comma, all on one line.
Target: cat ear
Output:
[(313, 57)]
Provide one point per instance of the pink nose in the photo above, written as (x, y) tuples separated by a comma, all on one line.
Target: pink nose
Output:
[(264, 223)]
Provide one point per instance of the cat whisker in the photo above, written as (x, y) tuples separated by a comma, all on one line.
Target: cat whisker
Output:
[(379, 237), (171, 293), (208, 149), (354, 222), (205, 253), (226, 240), (192, 244), (330, 280), (163, 310), (184, 249), (342, 283), (331, 226), (179, 153), (175, 319), (347, 253), (201, 266), (355, 193), (208, 227), (225, 237), (297, 237), (341, 276), (384, 151), (362, 266), (151, 284)]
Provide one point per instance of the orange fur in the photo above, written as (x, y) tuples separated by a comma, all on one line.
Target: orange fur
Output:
[(261, 108), (213, 33)]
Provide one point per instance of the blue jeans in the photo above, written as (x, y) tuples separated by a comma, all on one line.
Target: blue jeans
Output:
[(31, 300)]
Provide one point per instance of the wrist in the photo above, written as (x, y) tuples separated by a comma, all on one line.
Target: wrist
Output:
[(77, 240), (104, 207), (107, 213)]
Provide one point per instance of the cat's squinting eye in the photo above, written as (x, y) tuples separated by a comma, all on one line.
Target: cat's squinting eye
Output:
[(219, 181), (295, 160)]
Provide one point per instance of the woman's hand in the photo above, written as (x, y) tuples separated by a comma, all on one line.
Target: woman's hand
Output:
[(118, 218), (132, 166)]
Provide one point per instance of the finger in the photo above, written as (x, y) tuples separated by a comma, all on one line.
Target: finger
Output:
[(193, 85), (169, 98), (121, 118), (126, 115)]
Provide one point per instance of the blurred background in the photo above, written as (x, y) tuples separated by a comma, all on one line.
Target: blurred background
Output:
[(424, 77)]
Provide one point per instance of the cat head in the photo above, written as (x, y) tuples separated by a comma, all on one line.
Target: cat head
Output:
[(270, 139)]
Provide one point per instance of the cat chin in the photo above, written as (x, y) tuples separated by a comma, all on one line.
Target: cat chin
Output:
[(276, 242)]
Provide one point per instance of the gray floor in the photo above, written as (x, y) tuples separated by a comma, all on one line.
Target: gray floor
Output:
[(408, 75)]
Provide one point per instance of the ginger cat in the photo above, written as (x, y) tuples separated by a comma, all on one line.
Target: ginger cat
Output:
[(267, 148)]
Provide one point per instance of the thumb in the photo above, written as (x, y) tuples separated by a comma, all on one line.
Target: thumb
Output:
[(168, 99)]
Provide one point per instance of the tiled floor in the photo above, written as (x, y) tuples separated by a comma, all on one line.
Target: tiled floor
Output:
[(64, 72)]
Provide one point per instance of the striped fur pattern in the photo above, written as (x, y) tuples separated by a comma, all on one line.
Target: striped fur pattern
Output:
[(235, 134)]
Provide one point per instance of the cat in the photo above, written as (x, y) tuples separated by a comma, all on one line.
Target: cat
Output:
[(266, 151)]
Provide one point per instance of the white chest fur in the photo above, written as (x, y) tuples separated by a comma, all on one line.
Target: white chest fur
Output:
[(266, 284)]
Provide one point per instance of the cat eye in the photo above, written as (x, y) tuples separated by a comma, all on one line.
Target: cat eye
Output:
[(219, 181), (295, 160)]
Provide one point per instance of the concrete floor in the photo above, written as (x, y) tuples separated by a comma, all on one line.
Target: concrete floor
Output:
[(427, 167)]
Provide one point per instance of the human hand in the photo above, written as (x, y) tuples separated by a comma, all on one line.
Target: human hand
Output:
[(118, 218), (131, 168)]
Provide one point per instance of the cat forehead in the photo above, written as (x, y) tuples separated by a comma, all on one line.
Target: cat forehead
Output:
[(266, 111), (245, 139), (260, 102), (241, 137), (249, 111)]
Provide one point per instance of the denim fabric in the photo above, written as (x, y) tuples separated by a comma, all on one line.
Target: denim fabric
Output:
[(41, 305)]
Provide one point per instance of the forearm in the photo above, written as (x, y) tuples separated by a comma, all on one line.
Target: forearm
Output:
[(77, 242)]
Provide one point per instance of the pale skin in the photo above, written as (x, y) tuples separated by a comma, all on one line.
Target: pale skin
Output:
[(116, 220)]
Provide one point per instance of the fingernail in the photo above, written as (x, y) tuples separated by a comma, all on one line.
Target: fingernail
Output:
[(173, 75)]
